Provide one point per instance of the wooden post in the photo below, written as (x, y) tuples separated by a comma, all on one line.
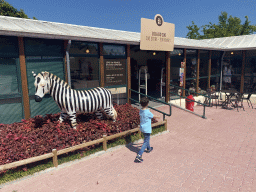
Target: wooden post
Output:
[(167, 75), (165, 125), (55, 158), (242, 73), (128, 74), (65, 60), (105, 143), (24, 80), (197, 70), (101, 65), (185, 71), (209, 69)]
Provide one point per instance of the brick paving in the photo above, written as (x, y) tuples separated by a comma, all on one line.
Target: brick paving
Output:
[(213, 154)]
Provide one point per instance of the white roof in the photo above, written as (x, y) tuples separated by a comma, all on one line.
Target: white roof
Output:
[(195, 44), (51, 30), (242, 42)]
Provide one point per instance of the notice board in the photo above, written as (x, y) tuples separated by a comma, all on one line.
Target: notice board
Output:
[(115, 72)]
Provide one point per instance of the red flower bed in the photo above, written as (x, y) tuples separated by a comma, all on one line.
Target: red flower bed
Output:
[(39, 135)]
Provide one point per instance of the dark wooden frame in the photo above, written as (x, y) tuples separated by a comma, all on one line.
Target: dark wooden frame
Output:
[(24, 80)]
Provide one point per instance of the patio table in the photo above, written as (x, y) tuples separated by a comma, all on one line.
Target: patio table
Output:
[(230, 97)]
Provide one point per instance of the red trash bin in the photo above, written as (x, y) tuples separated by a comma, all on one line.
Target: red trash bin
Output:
[(190, 102)]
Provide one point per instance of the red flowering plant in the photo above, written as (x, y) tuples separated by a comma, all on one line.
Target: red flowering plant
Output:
[(39, 135)]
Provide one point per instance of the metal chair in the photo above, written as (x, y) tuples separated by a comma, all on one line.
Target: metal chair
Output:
[(248, 99), (230, 99), (239, 99), (211, 96)]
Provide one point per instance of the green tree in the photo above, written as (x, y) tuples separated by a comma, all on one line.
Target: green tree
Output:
[(8, 10), (227, 26)]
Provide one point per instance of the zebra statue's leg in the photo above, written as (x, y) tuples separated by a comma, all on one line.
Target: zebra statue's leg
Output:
[(99, 114), (72, 118), (63, 116), (111, 113)]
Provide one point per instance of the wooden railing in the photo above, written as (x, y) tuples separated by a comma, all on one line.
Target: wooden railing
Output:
[(54, 154)]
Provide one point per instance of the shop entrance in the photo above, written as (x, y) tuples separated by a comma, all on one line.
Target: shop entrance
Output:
[(154, 63), (155, 67)]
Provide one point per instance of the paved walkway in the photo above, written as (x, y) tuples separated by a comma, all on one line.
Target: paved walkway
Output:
[(213, 154)]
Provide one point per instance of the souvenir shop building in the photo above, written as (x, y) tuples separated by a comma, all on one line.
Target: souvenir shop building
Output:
[(88, 57)]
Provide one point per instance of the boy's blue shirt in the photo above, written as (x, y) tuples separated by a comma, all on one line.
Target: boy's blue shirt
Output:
[(145, 121)]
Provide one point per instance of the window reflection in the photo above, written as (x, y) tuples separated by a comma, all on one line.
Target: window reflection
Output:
[(114, 50), (84, 72), (84, 65), (79, 48)]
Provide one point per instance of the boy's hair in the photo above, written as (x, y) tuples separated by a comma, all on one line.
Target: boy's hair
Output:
[(144, 101)]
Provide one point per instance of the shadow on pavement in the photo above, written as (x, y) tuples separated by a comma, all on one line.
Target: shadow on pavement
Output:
[(134, 147)]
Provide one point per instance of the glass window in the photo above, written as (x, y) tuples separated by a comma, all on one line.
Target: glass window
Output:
[(177, 57), (203, 69), (177, 52), (191, 68), (83, 48), (216, 68), (9, 47), (191, 52), (84, 72), (8, 76), (43, 47), (114, 50), (231, 70), (11, 109), (216, 54)]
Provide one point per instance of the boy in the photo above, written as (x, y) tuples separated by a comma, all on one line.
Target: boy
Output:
[(145, 128)]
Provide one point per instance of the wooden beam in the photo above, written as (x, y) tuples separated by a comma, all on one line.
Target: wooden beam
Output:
[(167, 75), (185, 71), (197, 70), (102, 79), (24, 80), (128, 74), (209, 69), (242, 73)]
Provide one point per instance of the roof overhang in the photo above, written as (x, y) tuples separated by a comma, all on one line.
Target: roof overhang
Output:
[(65, 37), (12, 26)]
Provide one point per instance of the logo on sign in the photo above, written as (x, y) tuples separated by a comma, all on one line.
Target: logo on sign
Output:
[(159, 20)]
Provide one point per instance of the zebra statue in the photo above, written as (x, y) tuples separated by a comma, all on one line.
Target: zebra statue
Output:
[(71, 101)]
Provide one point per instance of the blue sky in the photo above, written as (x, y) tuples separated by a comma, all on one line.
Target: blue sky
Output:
[(126, 14)]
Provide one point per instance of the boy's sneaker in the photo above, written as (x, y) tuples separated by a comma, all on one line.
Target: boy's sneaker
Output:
[(149, 150), (138, 159)]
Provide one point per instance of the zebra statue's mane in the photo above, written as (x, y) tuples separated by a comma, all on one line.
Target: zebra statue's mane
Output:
[(58, 80)]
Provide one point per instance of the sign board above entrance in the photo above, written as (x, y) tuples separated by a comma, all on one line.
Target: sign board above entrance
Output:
[(156, 35)]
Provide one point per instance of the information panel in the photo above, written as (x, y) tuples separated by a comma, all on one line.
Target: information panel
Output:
[(115, 71)]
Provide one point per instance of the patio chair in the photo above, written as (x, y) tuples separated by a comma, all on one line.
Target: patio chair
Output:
[(211, 96), (222, 102), (248, 99), (239, 99), (230, 101)]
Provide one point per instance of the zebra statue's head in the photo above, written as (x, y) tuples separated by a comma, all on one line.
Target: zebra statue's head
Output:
[(42, 84)]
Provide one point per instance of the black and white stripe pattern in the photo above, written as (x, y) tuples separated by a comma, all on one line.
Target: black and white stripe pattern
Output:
[(72, 101)]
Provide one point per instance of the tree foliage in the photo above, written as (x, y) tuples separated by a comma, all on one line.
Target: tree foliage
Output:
[(227, 26), (8, 10)]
